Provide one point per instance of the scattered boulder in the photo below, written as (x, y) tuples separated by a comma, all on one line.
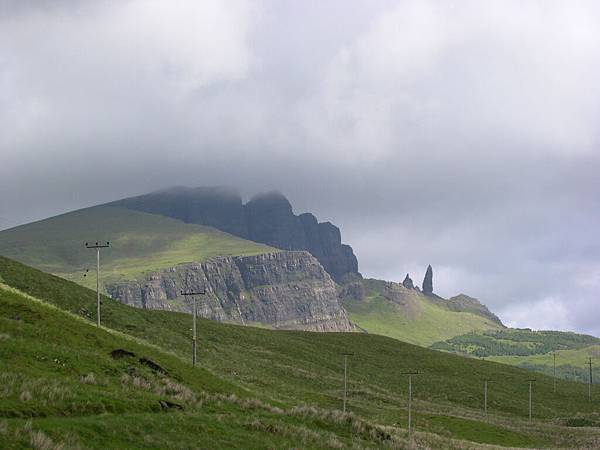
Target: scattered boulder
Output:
[(428, 281), (152, 365), (408, 282), (120, 353)]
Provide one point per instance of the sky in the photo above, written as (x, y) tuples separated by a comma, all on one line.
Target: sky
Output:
[(461, 134)]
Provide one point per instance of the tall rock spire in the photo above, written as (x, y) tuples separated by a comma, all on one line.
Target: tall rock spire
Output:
[(408, 283), (428, 281)]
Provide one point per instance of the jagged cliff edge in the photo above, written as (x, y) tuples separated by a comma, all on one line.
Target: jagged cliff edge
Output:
[(287, 289)]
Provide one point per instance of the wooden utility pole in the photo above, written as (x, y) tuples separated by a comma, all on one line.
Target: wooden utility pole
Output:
[(410, 374), (554, 355), (193, 295), (485, 396), (530, 397), (346, 354), (589, 362), (97, 247)]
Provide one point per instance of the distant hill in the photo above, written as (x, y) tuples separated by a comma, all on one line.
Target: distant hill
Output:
[(530, 349), (390, 309), (267, 218), (129, 384)]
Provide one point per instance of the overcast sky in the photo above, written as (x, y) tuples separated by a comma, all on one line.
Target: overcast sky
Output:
[(459, 134)]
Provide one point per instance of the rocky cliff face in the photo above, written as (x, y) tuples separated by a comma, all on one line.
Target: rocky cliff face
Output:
[(267, 218), (288, 289)]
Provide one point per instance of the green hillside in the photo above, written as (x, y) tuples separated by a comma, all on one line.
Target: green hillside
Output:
[(63, 390), (295, 377), (140, 243), (530, 349), (413, 317)]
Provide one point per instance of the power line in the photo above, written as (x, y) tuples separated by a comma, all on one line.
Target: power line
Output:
[(97, 247)]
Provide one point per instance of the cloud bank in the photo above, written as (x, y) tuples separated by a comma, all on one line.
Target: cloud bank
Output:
[(461, 134)]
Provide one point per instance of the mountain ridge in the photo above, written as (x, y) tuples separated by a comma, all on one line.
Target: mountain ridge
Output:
[(266, 218)]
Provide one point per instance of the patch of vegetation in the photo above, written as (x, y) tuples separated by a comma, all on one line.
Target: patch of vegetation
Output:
[(515, 342)]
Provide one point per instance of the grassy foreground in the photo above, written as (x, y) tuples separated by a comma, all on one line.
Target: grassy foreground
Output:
[(287, 385), (141, 243), (64, 390)]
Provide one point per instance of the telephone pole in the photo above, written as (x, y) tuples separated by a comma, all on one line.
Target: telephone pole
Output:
[(554, 355), (485, 396), (346, 354), (410, 374), (193, 295), (530, 396), (97, 247), (589, 362)]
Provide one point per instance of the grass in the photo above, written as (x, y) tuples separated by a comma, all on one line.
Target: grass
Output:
[(296, 378), (425, 324), (141, 243), (78, 396), (570, 364)]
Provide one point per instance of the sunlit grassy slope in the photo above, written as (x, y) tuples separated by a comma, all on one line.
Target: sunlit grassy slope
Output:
[(140, 243), (530, 349), (284, 369), (418, 320), (570, 364), (61, 388)]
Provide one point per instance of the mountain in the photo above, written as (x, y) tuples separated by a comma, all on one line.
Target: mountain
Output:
[(152, 258), (267, 218), (129, 384), (157, 249)]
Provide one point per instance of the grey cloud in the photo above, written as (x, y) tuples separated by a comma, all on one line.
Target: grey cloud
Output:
[(465, 136)]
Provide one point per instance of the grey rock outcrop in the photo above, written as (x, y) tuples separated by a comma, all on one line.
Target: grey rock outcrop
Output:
[(466, 303), (287, 289), (266, 218), (408, 282), (428, 281)]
